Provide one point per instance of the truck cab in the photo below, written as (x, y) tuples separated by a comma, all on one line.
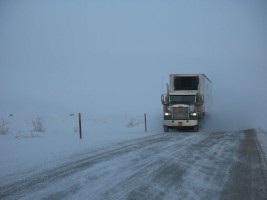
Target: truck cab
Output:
[(184, 105)]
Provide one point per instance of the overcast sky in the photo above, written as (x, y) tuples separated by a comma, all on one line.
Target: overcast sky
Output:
[(112, 56)]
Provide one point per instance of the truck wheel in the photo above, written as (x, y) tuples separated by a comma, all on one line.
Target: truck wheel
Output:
[(196, 128), (166, 128)]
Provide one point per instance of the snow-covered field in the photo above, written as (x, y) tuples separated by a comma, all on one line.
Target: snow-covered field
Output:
[(23, 149)]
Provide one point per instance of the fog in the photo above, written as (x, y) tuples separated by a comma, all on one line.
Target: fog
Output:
[(114, 57)]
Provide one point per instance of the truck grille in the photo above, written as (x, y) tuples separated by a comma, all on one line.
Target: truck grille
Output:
[(180, 113)]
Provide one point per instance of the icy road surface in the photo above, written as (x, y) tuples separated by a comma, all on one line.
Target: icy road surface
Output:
[(218, 165)]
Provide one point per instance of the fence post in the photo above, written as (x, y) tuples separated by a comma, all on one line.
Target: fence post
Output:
[(145, 122), (80, 125)]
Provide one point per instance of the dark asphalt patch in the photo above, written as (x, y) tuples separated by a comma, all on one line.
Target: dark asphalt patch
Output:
[(248, 179)]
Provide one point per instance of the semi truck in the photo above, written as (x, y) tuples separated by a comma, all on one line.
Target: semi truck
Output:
[(187, 101)]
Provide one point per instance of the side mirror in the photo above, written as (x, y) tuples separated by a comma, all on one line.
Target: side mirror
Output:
[(200, 100), (164, 99)]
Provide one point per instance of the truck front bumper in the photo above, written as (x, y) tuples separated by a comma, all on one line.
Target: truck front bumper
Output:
[(180, 123)]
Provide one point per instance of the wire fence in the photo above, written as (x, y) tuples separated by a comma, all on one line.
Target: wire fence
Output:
[(71, 123)]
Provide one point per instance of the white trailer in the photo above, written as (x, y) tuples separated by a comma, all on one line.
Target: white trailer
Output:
[(187, 101)]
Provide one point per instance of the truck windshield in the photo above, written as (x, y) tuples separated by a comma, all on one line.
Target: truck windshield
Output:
[(182, 99)]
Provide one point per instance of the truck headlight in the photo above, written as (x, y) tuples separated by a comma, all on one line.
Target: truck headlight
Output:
[(167, 114), (193, 114)]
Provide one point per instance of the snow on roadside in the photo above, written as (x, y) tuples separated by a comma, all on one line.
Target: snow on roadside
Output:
[(23, 151)]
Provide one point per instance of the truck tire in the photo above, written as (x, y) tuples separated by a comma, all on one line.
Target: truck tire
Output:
[(196, 128), (166, 129)]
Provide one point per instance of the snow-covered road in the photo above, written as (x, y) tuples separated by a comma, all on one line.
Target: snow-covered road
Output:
[(183, 165)]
